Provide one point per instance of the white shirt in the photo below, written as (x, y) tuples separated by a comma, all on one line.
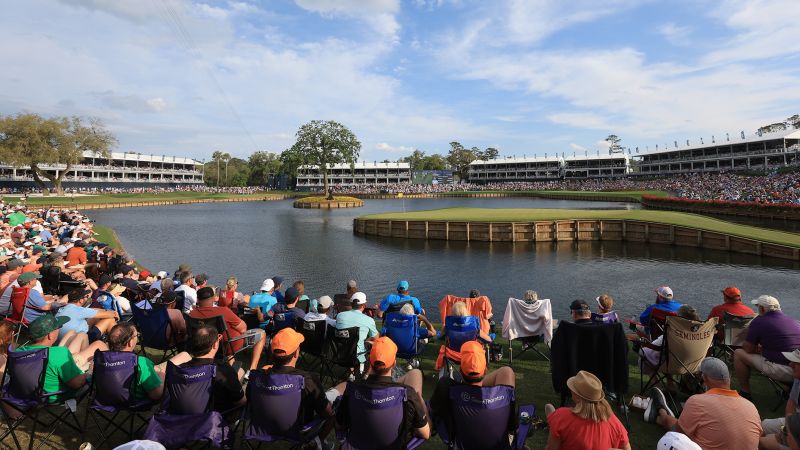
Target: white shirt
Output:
[(312, 316), (190, 296)]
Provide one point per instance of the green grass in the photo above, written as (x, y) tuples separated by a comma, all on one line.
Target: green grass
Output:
[(107, 236), (535, 214), (143, 197), (630, 195)]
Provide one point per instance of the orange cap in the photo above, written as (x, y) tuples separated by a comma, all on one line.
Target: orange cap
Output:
[(732, 292), (383, 353), (286, 341), (473, 359), (32, 267)]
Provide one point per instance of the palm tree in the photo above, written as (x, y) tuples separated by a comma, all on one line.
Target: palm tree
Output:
[(217, 156), (227, 157)]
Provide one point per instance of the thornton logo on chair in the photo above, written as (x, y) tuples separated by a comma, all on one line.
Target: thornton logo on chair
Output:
[(113, 364), (194, 375), (275, 387), (483, 401), (374, 401)]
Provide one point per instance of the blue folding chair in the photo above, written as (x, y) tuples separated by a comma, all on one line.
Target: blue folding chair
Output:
[(403, 330), (283, 320), (186, 414), (457, 331), (112, 392), (479, 418), (153, 325), (274, 411), (375, 418)]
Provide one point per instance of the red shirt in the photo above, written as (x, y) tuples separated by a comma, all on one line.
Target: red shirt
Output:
[(582, 434), (737, 309), (231, 321), (75, 256)]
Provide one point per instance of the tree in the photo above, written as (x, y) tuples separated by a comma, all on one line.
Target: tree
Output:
[(323, 143), (490, 153), (29, 140), (771, 128), (415, 159), (613, 144), (217, 157), (227, 158), (793, 121), (433, 162), (459, 159), (262, 164)]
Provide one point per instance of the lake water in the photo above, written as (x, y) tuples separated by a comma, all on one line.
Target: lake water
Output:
[(261, 239)]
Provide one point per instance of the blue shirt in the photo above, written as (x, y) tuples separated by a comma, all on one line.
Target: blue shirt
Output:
[(366, 328), (46, 235), (36, 300), (669, 306), (77, 318), (391, 299), (278, 296), (264, 300)]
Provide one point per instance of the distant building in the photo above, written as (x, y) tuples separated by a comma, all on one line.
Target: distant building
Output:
[(120, 169), (361, 173), (756, 152), (548, 168)]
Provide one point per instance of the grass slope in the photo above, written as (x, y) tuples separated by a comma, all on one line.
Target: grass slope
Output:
[(534, 214), (631, 195)]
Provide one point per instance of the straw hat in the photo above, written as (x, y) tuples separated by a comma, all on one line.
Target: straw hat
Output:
[(586, 386)]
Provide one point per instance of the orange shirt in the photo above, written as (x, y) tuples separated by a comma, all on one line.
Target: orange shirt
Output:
[(720, 419), (75, 256)]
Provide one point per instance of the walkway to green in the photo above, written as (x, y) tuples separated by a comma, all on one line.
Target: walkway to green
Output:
[(535, 214)]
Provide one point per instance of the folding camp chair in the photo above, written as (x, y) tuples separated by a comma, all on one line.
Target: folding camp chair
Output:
[(17, 305), (403, 330), (283, 320), (341, 351), (685, 345), (658, 321), (609, 317), (314, 332), (186, 414), (112, 392), (374, 418), (601, 349), (457, 331), (528, 321), (227, 350), (24, 393), (734, 333), (274, 411), (480, 416), (153, 325)]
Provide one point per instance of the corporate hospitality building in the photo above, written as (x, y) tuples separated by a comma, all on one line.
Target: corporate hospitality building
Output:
[(548, 168), (121, 169), (360, 174), (756, 152)]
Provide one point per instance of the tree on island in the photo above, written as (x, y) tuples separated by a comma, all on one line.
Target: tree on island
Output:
[(29, 140), (460, 157), (324, 143), (262, 165)]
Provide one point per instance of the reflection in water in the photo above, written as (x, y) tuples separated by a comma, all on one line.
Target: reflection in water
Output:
[(263, 239)]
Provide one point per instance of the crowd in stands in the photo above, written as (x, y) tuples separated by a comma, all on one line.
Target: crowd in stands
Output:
[(82, 308), (94, 190)]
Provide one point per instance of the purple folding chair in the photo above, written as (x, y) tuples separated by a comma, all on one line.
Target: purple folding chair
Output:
[(375, 418), (480, 416), (112, 392), (24, 393), (609, 317), (274, 410), (186, 415)]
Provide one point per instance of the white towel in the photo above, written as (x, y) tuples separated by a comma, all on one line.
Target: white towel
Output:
[(527, 319)]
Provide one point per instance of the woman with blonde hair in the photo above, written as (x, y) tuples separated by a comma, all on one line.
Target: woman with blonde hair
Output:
[(230, 297), (590, 424)]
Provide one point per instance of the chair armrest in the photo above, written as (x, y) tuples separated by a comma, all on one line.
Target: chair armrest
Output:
[(524, 427)]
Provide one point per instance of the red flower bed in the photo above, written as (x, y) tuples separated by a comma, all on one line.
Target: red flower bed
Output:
[(723, 203)]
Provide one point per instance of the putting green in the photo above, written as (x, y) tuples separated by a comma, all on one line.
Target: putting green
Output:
[(535, 214)]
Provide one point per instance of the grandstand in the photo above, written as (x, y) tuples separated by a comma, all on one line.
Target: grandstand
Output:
[(309, 177), (548, 168), (756, 152), (121, 169)]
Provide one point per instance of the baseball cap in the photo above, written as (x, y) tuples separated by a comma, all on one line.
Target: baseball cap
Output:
[(267, 284), (352, 284), (184, 268), (579, 305), (714, 368), (15, 263), (291, 295), (161, 274), (325, 301), (383, 353), (45, 324), (205, 293), (766, 300), (664, 292), (286, 341), (277, 280), (732, 292), (359, 298), (792, 356), (126, 269), (105, 278), (144, 273), (28, 276), (402, 286), (473, 359), (676, 441), (79, 293)]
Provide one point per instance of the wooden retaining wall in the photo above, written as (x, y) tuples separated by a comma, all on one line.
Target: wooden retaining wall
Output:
[(499, 195), (572, 230), (328, 205), (83, 206)]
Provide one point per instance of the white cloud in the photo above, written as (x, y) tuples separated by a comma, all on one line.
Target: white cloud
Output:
[(577, 147), (157, 104), (675, 34), (384, 147), (380, 15)]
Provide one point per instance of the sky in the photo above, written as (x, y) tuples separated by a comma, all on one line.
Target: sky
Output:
[(535, 77)]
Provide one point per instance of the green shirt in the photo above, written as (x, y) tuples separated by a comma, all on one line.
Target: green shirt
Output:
[(60, 369), (366, 328), (148, 378)]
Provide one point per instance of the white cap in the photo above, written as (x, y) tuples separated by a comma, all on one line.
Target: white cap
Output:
[(676, 441), (359, 298), (267, 284), (28, 243), (162, 274), (664, 292), (140, 445), (4, 241), (325, 301), (766, 301)]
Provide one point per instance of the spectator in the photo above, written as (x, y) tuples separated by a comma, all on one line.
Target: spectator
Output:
[(93, 322), (651, 357), (6, 339), (262, 302), (718, 419), (605, 304), (664, 301), (459, 309), (230, 297), (590, 424), (581, 314), (76, 256), (177, 323), (356, 318), (769, 335), (731, 304), (37, 303), (427, 329), (323, 307), (189, 292), (278, 281), (774, 437), (402, 296), (290, 299), (793, 431)]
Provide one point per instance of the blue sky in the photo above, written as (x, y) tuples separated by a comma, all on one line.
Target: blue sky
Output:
[(186, 78)]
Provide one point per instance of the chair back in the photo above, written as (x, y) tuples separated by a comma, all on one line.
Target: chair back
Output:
[(601, 349), (17, 303), (283, 320), (51, 276), (114, 379), (480, 416), (180, 300), (187, 390), (403, 330), (687, 343), (658, 320), (375, 417), (609, 317), (152, 325), (274, 404), (735, 328), (343, 346), (25, 371), (461, 329), (396, 307), (195, 323), (314, 332)]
